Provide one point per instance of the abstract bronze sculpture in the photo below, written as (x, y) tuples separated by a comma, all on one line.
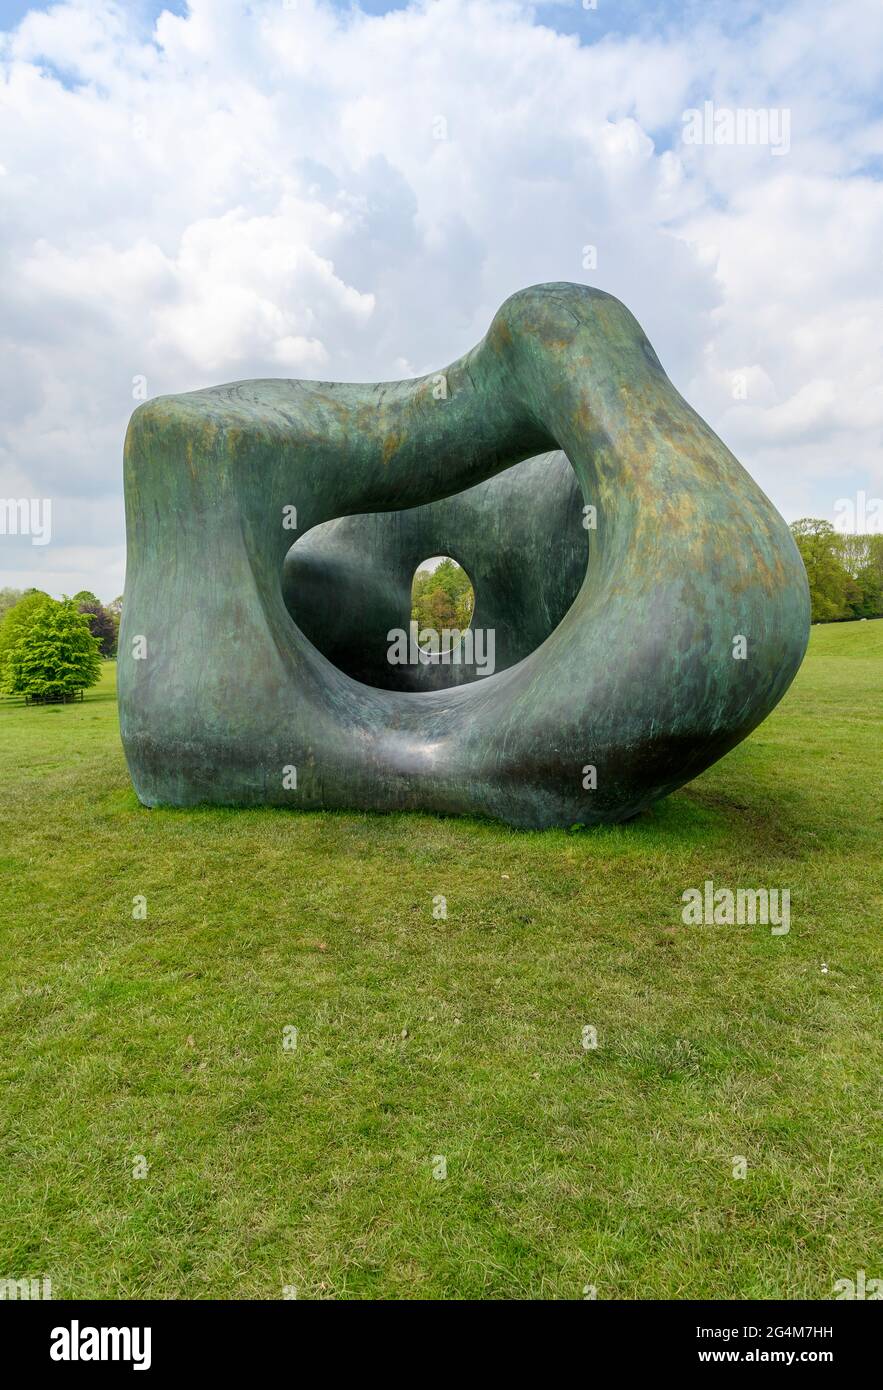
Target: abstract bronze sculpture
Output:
[(649, 604)]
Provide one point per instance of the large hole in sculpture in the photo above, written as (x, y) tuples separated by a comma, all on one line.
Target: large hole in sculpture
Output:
[(350, 584)]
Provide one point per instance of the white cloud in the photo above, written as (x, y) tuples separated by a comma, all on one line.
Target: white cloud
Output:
[(260, 189)]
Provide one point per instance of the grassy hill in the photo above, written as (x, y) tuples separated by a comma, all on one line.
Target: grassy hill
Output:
[(316, 1167)]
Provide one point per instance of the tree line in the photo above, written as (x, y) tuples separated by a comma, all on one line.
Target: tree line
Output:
[(845, 572)]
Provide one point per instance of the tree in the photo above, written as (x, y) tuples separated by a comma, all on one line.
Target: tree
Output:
[(102, 623), (442, 597), (55, 656), (17, 620), (853, 552), (8, 599), (817, 542), (442, 610), (875, 555), (867, 601), (845, 572)]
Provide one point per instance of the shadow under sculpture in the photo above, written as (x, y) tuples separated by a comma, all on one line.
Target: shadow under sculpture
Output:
[(648, 602)]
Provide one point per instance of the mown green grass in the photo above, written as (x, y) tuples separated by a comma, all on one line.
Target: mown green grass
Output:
[(461, 1037)]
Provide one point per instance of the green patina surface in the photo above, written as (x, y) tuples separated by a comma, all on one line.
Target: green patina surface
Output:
[(637, 677)]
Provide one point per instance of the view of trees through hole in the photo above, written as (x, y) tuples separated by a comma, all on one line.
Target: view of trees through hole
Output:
[(442, 597)]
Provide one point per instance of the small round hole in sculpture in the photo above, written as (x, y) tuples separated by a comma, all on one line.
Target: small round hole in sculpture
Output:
[(442, 604)]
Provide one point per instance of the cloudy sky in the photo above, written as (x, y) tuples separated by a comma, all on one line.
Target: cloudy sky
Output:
[(197, 193)]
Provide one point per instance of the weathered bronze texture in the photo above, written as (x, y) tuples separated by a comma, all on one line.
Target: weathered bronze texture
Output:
[(649, 605)]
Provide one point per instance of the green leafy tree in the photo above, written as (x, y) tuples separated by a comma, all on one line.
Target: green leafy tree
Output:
[(17, 620), (845, 572), (817, 542), (875, 556), (867, 600), (442, 611), (55, 656), (8, 599), (853, 552), (442, 598)]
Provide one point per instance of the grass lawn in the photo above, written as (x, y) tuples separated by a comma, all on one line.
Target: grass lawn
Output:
[(418, 1038)]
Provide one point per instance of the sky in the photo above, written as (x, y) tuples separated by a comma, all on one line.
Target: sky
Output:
[(206, 192)]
